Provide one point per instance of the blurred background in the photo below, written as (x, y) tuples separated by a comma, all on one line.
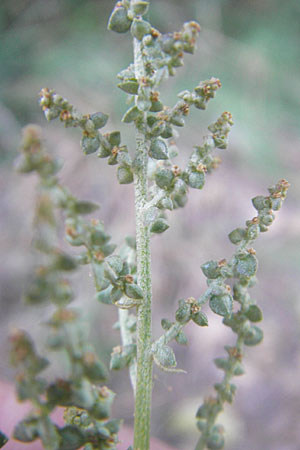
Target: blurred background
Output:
[(253, 47)]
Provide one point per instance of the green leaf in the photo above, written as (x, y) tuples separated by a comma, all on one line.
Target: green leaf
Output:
[(3, 439), (119, 20), (164, 178), (94, 370), (215, 441), (125, 175), (72, 438), (104, 296), (140, 8), (211, 269), (131, 114), (139, 28), (181, 338), (200, 319), (99, 119), (26, 430), (196, 180), (84, 207), (237, 235), (165, 356), (62, 261), (159, 226), (133, 291), (221, 304), (183, 313), (158, 149), (130, 87), (89, 144), (254, 336), (254, 313), (246, 266), (166, 324)]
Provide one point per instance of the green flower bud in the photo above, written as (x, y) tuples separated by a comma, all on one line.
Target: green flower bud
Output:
[(89, 144), (125, 175), (237, 235), (221, 304), (254, 313), (196, 180), (164, 178), (140, 8), (119, 20), (139, 28), (130, 87), (159, 226), (99, 119), (246, 266), (158, 149), (254, 336)]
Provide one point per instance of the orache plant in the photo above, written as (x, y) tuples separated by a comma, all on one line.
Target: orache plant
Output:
[(123, 278)]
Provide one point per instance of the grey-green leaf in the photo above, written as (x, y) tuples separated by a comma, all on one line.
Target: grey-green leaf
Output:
[(221, 304), (165, 356)]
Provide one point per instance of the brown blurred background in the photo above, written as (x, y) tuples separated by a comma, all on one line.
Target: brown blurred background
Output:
[(253, 47)]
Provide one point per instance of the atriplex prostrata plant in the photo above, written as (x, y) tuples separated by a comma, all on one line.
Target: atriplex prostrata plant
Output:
[(123, 278)]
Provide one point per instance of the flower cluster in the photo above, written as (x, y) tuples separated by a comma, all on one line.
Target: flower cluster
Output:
[(67, 330)]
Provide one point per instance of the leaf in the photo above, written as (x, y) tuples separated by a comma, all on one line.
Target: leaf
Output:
[(3, 439), (221, 304), (132, 290), (159, 226), (119, 21), (165, 356), (158, 149), (246, 266), (84, 207)]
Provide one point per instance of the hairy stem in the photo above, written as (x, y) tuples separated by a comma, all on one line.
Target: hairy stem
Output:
[(144, 332), (127, 339)]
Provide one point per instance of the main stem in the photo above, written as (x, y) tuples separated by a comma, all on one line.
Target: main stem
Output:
[(142, 412)]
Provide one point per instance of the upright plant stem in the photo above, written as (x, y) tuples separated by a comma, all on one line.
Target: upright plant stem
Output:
[(144, 327)]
